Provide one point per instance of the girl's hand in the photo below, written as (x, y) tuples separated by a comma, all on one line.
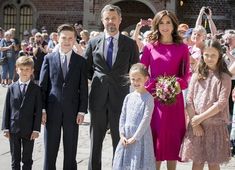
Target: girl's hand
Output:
[(198, 131), (131, 140), (124, 141), (196, 120)]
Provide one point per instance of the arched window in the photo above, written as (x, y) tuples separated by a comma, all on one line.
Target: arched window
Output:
[(9, 16), (26, 18), (18, 16)]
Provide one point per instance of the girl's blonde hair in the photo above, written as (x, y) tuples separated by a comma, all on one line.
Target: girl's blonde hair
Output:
[(141, 68)]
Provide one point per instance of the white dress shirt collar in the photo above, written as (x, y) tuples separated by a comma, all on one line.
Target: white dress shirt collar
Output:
[(21, 82), (116, 36), (68, 54)]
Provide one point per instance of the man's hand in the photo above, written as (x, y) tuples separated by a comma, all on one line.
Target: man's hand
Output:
[(44, 118), (6, 134), (34, 135), (80, 119)]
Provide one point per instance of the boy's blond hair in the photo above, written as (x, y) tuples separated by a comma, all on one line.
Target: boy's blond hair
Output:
[(25, 61)]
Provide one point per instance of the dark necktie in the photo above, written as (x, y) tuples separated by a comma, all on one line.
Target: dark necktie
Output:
[(64, 65), (110, 53), (23, 89)]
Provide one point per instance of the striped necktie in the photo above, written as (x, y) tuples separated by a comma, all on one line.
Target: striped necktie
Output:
[(64, 65)]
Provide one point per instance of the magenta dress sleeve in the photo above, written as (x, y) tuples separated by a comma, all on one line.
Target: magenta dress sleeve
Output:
[(145, 59), (184, 75)]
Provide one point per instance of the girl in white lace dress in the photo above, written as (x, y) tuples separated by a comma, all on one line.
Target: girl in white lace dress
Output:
[(207, 139), (135, 149)]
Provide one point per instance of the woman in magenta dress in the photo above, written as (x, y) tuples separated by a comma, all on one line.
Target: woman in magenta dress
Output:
[(166, 55)]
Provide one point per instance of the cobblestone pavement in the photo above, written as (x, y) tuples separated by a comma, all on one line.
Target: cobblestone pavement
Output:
[(82, 151)]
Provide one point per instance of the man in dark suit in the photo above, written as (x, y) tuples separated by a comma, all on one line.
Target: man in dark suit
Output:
[(22, 115), (63, 81), (109, 58)]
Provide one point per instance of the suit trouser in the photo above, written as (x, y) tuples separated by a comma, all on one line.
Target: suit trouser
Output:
[(99, 123), (52, 135), (15, 146)]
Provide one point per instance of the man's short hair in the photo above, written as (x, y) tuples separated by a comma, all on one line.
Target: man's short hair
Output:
[(66, 27), (111, 7), (25, 61)]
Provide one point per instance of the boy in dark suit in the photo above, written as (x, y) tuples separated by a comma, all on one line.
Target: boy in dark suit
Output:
[(22, 114), (63, 80)]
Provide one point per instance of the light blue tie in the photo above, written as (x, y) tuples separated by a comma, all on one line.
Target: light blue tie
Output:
[(109, 58), (64, 65)]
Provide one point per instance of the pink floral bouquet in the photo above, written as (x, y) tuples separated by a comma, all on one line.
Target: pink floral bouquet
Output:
[(166, 89)]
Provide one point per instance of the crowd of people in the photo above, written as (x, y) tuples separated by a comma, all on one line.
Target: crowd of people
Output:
[(48, 75)]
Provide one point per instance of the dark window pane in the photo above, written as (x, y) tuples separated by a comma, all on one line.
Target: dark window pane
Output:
[(26, 18), (9, 17)]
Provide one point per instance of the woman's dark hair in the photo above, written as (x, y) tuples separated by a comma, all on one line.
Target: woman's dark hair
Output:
[(203, 69), (155, 35)]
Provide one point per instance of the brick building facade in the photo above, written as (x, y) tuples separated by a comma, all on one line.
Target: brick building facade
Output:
[(27, 14)]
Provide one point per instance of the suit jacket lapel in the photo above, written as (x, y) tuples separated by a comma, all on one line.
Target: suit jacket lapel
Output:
[(29, 88), (71, 65), (18, 91), (100, 47), (121, 45), (57, 64), (100, 50)]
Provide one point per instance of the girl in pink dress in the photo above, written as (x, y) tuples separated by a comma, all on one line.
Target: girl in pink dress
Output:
[(207, 138), (166, 55)]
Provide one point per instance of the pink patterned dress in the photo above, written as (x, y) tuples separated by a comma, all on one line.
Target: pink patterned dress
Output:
[(214, 146), (168, 121)]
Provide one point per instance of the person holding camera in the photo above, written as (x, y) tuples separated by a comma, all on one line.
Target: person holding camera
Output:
[(229, 45), (208, 13), (8, 49), (136, 35), (39, 51)]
